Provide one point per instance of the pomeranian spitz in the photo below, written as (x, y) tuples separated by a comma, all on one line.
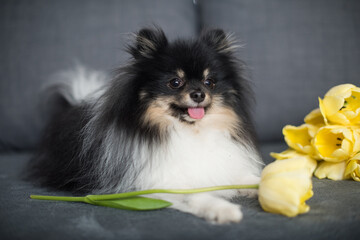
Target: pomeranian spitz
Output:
[(176, 116)]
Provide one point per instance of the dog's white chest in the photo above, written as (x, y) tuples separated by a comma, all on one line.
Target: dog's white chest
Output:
[(197, 159)]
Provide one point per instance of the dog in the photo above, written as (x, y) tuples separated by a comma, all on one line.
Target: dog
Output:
[(177, 116)]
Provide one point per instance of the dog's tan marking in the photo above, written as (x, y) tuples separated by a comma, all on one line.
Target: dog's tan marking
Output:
[(221, 117), (158, 114), (180, 73), (206, 73)]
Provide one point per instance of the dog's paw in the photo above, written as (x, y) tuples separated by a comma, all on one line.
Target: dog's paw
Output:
[(225, 214), (213, 209), (222, 213)]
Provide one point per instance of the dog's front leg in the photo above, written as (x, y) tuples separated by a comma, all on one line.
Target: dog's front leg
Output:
[(206, 205)]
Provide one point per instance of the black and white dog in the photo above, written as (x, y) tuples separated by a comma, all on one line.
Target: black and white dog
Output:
[(177, 116)]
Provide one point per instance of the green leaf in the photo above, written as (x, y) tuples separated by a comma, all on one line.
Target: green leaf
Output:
[(133, 203)]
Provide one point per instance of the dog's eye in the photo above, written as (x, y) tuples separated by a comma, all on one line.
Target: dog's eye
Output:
[(176, 83), (210, 83)]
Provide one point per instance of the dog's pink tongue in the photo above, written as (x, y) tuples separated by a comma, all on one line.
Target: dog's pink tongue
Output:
[(196, 113)]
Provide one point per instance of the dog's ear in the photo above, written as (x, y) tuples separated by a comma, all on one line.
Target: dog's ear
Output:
[(219, 40), (148, 42)]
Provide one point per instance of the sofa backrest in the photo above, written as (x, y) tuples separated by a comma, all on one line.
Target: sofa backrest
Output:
[(295, 50), (41, 37)]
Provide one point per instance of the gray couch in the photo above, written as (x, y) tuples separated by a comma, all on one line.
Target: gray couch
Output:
[(295, 50)]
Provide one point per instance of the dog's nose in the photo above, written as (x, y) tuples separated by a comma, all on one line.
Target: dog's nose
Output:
[(197, 96)]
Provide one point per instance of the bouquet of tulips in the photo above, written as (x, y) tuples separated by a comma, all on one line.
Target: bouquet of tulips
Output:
[(326, 145), (330, 135)]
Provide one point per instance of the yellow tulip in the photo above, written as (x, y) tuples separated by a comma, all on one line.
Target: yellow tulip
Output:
[(285, 186), (341, 105), (309, 163), (353, 167), (299, 138), (302, 163), (288, 153), (331, 170), (315, 118), (337, 143)]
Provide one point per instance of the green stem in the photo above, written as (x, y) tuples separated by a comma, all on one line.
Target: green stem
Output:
[(90, 198), (173, 191), (56, 198)]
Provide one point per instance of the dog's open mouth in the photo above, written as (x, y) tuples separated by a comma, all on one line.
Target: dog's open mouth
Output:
[(196, 112), (184, 113)]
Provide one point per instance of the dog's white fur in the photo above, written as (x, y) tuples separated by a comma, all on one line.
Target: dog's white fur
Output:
[(195, 158), (78, 84)]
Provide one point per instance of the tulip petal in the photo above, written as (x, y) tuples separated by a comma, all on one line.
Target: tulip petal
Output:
[(353, 168), (338, 118), (349, 114), (299, 138), (304, 163), (289, 153), (314, 117), (322, 110), (353, 101), (348, 134), (356, 147), (334, 171), (341, 90), (333, 104), (346, 145), (338, 155)]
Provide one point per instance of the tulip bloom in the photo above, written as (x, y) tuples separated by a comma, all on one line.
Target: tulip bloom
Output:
[(337, 143), (353, 167), (300, 138), (285, 186), (341, 105)]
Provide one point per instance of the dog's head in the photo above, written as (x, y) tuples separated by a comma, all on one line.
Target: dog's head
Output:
[(188, 81)]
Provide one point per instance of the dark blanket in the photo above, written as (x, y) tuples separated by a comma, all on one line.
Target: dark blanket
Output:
[(334, 214)]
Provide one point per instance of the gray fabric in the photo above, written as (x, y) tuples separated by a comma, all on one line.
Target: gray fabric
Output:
[(334, 214), (296, 50), (41, 37)]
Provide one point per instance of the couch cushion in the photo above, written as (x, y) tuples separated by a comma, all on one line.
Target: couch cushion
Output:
[(295, 50), (334, 214), (39, 38)]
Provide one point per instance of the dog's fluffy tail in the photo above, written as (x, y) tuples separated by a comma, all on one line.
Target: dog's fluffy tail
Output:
[(71, 88), (76, 85)]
